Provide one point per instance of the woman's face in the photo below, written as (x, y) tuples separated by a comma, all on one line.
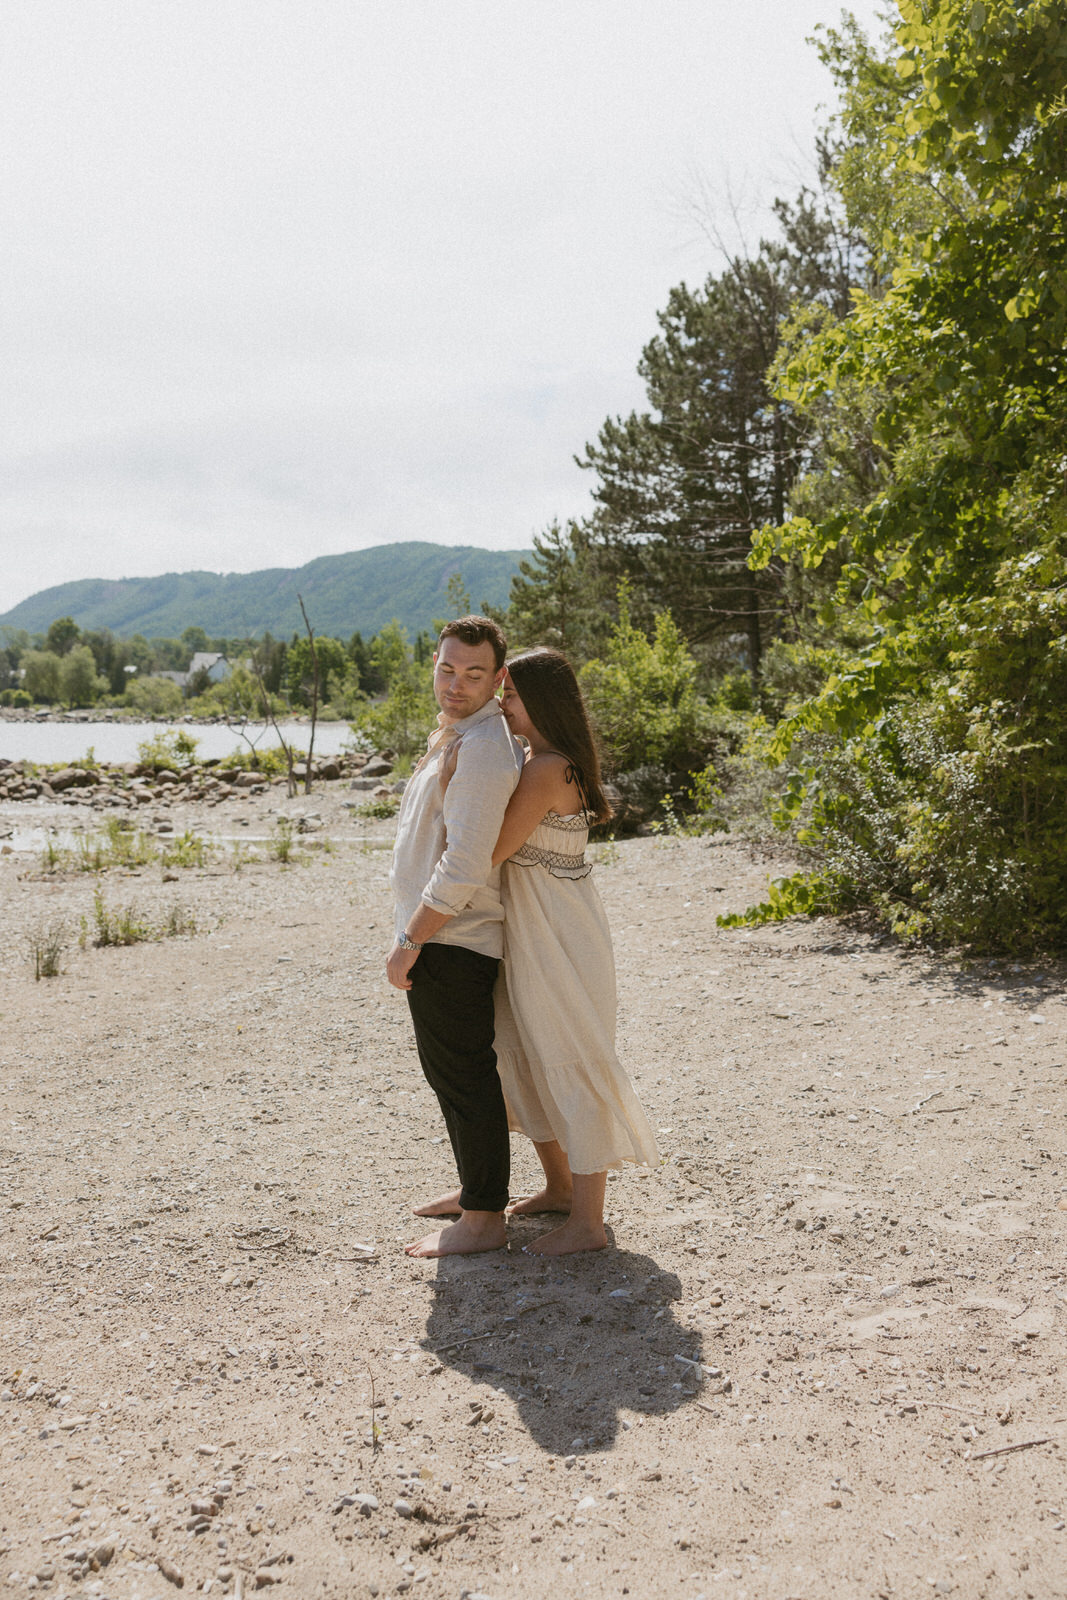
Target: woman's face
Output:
[(514, 710)]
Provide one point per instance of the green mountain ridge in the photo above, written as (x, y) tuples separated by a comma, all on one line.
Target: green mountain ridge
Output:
[(360, 590)]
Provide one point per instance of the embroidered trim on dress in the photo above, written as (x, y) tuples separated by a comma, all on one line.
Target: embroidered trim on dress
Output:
[(575, 824), (558, 864)]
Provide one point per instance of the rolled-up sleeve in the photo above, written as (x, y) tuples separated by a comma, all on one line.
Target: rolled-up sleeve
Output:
[(474, 804)]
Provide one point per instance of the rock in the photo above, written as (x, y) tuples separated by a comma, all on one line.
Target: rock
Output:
[(366, 1503), (170, 1572), (263, 1577), (330, 770), (403, 1508), (889, 1291), (166, 777), (70, 778), (377, 767)]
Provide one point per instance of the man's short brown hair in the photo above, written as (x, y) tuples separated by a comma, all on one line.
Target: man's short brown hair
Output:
[(477, 630)]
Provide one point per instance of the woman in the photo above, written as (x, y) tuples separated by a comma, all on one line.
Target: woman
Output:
[(555, 1000)]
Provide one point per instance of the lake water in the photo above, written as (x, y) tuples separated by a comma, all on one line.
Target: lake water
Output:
[(117, 741)]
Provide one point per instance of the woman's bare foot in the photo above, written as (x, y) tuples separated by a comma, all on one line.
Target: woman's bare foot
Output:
[(475, 1231), (547, 1199), (569, 1239), (444, 1205)]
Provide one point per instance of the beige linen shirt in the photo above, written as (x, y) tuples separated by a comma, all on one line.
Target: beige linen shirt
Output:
[(446, 834)]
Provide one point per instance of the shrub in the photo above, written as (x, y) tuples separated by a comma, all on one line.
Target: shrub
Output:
[(387, 805), (270, 762), (47, 942), (176, 747), (154, 697), (642, 696)]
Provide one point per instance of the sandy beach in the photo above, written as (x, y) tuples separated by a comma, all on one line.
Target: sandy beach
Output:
[(823, 1355)]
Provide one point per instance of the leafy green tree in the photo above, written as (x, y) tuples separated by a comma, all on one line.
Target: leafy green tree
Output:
[(41, 676), (62, 636), (334, 665), (194, 639), (642, 696), (400, 721), (390, 653), (79, 682), (154, 697), (950, 565)]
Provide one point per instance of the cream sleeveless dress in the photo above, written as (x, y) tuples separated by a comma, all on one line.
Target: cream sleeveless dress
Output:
[(555, 1007)]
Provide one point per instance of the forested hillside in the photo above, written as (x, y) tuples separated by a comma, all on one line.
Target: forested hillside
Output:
[(357, 592)]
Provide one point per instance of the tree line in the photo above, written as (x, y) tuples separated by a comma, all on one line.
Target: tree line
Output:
[(72, 667), (826, 564), (848, 487)]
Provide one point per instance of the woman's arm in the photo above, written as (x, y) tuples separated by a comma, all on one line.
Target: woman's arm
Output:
[(542, 788)]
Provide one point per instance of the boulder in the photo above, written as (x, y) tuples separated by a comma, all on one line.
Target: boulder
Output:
[(329, 769), (71, 778), (377, 767)]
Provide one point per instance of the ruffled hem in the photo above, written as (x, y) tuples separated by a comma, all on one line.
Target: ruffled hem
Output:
[(623, 1141)]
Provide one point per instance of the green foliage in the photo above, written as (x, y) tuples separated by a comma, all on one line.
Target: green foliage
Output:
[(933, 720), (115, 846), (41, 678), (334, 665), (269, 761), (280, 845), (185, 850), (174, 749), (62, 636), (642, 696), (401, 721), (116, 926), (79, 682), (47, 942), (560, 596), (154, 697), (126, 925), (386, 806)]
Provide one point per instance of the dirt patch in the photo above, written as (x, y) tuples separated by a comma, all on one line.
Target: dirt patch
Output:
[(817, 1360)]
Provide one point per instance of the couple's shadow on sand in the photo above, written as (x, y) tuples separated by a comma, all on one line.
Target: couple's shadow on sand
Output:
[(576, 1341)]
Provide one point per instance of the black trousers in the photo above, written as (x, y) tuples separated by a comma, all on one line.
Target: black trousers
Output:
[(451, 1003)]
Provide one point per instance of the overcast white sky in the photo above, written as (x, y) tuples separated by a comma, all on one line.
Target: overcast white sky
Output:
[(284, 279)]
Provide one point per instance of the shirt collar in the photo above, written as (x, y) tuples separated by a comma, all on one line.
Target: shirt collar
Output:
[(492, 708)]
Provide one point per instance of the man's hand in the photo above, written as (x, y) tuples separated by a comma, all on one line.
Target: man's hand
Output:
[(398, 964)]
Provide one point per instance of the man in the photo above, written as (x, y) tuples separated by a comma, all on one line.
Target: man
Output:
[(449, 924)]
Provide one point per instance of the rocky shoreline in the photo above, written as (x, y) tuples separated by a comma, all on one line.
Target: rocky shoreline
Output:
[(139, 783)]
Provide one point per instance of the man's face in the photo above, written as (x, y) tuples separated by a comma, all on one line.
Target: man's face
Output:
[(465, 677)]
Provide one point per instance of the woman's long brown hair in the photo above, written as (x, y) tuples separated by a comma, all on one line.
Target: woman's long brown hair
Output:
[(545, 683)]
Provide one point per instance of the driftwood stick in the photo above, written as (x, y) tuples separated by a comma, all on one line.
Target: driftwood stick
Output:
[(1010, 1449)]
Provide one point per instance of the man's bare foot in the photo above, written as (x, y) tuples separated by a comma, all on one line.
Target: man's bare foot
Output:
[(545, 1200), (568, 1239), (475, 1231), (444, 1205)]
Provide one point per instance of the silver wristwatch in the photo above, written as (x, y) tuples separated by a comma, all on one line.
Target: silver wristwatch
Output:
[(407, 944)]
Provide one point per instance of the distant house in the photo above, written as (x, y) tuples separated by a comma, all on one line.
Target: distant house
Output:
[(213, 662)]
